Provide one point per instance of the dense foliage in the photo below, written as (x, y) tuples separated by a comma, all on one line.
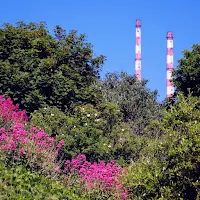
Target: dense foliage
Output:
[(137, 104), (101, 176), (96, 132), (74, 136), (168, 167), (18, 183), (31, 154), (187, 74), (37, 68)]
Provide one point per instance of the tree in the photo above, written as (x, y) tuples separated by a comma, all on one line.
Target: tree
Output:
[(97, 133), (37, 68), (137, 103), (187, 75), (169, 166)]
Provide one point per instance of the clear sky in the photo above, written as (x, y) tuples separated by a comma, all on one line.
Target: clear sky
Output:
[(110, 27)]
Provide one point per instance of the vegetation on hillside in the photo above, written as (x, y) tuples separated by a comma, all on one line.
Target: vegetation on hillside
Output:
[(67, 134), (38, 68), (187, 73)]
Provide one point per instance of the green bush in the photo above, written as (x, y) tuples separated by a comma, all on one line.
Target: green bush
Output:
[(96, 132), (18, 183), (168, 167), (187, 74), (39, 68), (136, 102)]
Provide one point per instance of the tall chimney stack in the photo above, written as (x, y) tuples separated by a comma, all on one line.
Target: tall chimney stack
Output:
[(138, 51), (170, 64)]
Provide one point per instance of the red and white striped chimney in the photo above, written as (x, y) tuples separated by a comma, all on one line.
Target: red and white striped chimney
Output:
[(138, 50), (170, 64)]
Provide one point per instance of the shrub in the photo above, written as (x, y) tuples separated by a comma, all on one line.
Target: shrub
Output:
[(98, 180), (9, 113), (96, 132), (135, 101), (20, 143), (34, 148), (39, 68), (25, 149), (19, 183), (168, 167), (186, 76)]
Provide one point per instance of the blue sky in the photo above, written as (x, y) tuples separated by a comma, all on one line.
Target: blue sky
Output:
[(110, 27)]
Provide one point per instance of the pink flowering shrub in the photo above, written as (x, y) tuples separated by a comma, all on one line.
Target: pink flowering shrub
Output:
[(105, 178), (9, 112), (33, 146), (38, 151)]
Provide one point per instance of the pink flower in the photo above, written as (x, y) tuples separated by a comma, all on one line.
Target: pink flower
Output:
[(105, 176), (102, 176), (28, 155), (67, 162), (3, 137), (38, 150), (60, 144), (10, 112), (21, 151), (12, 144)]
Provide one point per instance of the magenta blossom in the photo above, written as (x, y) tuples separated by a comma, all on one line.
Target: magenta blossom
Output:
[(105, 177), (9, 112)]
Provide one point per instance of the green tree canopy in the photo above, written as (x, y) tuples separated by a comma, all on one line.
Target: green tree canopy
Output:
[(38, 68), (187, 74), (137, 103), (168, 167)]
